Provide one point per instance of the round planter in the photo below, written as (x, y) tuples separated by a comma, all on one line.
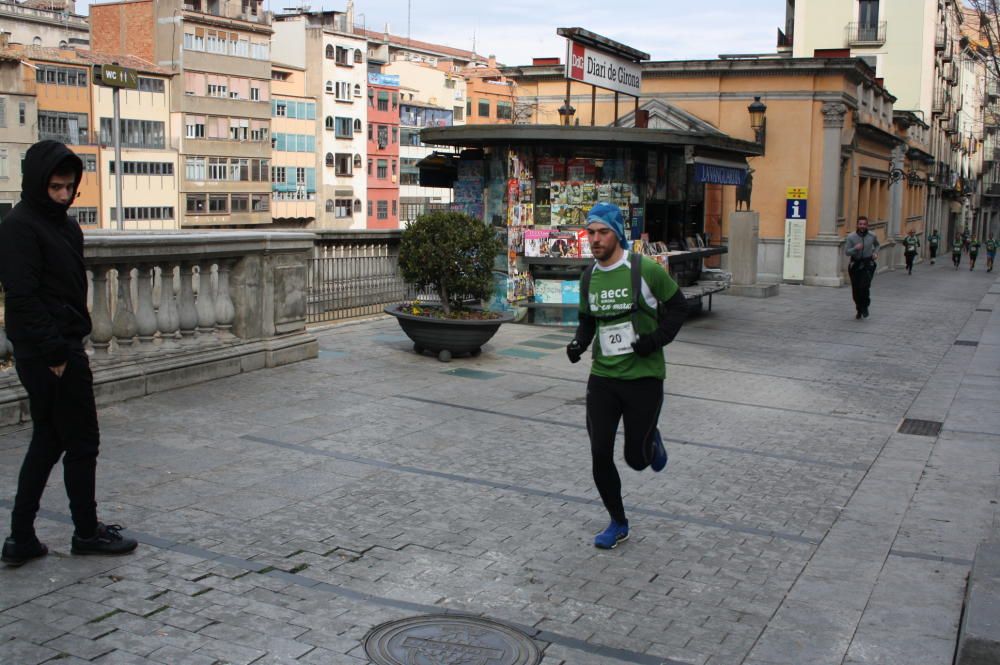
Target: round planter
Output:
[(448, 337)]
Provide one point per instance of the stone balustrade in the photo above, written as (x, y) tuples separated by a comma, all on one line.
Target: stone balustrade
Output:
[(174, 308)]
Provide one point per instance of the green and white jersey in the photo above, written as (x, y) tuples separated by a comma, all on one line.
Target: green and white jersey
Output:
[(610, 294), (991, 246), (934, 239), (974, 247), (957, 247), (911, 243)]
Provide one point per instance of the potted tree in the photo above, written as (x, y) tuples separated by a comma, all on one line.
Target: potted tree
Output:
[(452, 254)]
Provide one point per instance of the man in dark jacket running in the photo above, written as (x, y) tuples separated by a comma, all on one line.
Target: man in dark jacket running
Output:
[(42, 270)]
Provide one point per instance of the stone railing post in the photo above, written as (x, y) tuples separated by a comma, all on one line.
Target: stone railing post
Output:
[(100, 316), (167, 318), (186, 309), (123, 325), (145, 316), (206, 302), (224, 310)]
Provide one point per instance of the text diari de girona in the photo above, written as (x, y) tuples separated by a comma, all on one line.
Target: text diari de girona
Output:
[(607, 70)]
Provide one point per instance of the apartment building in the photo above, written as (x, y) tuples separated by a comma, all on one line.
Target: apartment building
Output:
[(914, 46), (219, 51), (293, 170), (491, 98), (383, 151), (18, 124), (331, 53), (43, 23)]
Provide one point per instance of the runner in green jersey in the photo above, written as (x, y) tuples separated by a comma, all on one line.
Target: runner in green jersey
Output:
[(933, 240), (991, 252), (626, 376), (956, 251), (974, 245)]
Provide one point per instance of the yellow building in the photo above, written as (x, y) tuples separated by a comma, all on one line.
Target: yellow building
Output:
[(830, 130), (293, 173)]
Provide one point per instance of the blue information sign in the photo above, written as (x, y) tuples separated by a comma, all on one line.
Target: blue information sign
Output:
[(795, 208)]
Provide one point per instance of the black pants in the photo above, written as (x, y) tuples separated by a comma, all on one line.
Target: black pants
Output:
[(861, 282), (909, 260), (932, 250), (64, 421), (638, 403)]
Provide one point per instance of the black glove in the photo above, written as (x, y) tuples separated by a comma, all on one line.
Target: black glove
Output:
[(644, 345), (574, 350)]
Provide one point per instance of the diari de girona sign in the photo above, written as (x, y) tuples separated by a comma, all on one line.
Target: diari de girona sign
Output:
[(605, 70)]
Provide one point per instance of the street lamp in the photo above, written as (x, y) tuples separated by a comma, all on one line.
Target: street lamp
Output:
[(566, 113), (758, 123)]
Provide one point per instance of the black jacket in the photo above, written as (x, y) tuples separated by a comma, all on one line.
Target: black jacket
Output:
[(41, 264)]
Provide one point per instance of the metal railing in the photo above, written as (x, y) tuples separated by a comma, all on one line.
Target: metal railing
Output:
[(353, 273), (865, 33)]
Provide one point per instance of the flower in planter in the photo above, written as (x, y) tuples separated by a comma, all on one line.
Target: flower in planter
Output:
[(452, 253)]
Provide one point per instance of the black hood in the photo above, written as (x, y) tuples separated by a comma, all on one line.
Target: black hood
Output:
[(39, 163)]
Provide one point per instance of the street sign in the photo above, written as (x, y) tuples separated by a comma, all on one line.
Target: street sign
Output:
[(118, 77), (795, 208), (797, 193)]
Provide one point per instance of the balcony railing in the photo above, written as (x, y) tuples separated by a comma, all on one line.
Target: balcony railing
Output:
[(172, 308), (865, 34), (940, 101), (941, 37)]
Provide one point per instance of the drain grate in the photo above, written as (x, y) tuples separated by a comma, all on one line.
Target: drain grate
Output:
[(920, 427), (965, 342), (448, 638)]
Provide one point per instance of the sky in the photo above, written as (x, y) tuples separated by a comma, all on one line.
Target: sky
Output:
[(518, 30)]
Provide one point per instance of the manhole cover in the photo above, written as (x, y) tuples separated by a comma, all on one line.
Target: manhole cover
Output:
[(920, 427), (966, 342), (449, 640)]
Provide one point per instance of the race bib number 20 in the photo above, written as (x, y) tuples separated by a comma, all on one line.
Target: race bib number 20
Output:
[(617, 340)]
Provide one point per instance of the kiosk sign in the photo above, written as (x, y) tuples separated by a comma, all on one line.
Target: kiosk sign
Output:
[(602, 69)]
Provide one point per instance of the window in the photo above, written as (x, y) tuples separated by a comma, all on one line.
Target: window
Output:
[(196, 204), (382, 169), (215, 90), (359, 58), (369, 131), (468, 107), (357, 126), (343, 91), (357, 161), (145, 168), (345, 128), (505, 110), (194, 127), (280, 76), (357, 88), (329, 205), (328, 123), (370, 162), (218, 203), (329, 87), (342, 208), (239, 203), (383, 137), (4, 168), (484, 108), (254, 94), (395, 101), (132, 213), (65, 127), (329, 159), (357, 206), (86, 216), (280, 109), (22, 113), (369, 208), (147, 84), (279, 174), (67, 76), (449, 83), (89, 163), (135, 133), (218, 168), (383, 210), (330, 53), (344, 163), (394, 167), (343, 57), (458, 111), (395, 135), (260, 202), (3, 112), (194, 169), (395, 208), (383, 100)]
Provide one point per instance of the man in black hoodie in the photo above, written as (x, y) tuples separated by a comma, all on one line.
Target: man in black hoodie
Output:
[(42, 270)]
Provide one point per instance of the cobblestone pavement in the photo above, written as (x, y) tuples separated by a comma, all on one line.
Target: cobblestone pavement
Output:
[(285, 513)]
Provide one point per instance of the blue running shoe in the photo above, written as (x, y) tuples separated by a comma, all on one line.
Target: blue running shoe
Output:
[(609, 538), (659, 453)]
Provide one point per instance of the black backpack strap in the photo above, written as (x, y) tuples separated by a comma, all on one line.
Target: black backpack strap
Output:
[(636, 264), (585, 286)]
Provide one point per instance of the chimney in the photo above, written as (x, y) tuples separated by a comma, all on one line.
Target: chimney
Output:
[(492, 61)]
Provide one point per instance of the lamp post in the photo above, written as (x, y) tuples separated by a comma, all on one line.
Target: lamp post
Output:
[(758, 123)]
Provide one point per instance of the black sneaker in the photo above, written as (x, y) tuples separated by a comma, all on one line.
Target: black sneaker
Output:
[(19, 553), (107, 540)]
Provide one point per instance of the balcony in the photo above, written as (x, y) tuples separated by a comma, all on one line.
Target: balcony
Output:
[(941, 37), (865, 34), (940, 101)]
